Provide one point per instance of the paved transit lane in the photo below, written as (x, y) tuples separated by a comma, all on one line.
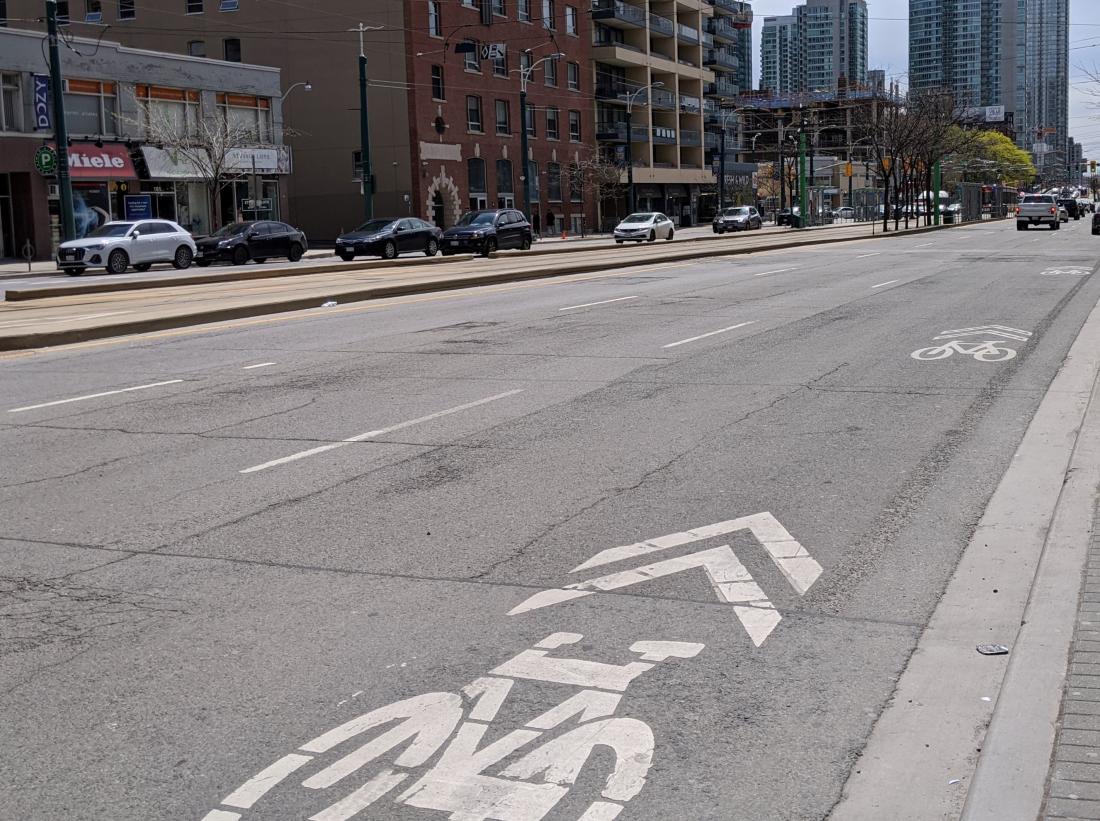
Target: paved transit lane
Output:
[(675, 529)]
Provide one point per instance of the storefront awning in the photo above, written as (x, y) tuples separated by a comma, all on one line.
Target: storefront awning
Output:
[(111, 161), (168, 165)]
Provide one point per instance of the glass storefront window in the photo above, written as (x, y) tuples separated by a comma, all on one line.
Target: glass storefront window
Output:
[(251, 115), (91, 108)]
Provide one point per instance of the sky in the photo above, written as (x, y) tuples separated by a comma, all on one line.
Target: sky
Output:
[(889, 39)]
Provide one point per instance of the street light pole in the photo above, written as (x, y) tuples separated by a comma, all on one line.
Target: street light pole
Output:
[(61, 133), (525, 172), (782, 170), (364, 127), (631, 202), (803, 204)]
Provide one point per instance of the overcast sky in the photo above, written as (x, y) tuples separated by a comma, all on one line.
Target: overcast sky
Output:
[(889, 39)]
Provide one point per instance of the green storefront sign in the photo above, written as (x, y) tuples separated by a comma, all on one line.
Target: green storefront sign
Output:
[(45, 161)]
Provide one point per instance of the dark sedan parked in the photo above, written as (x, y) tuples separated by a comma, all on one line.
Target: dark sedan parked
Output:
[(1096, 223), (238, 242), (387, 238), (483, 232)]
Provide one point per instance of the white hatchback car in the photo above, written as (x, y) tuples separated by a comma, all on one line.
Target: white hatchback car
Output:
[(116, 246), (644, 226)]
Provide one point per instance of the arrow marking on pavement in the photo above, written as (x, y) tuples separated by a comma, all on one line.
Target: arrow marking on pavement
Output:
[(987, 330), (729, 578)]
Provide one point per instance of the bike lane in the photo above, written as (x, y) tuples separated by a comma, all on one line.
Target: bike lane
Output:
[(791, 556)]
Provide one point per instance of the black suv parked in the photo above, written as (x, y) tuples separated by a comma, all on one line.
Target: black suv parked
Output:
[(483, 232), (1073, 208)]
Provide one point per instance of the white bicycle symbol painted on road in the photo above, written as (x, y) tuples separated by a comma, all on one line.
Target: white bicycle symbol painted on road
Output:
[(989, 351), (470, 778)]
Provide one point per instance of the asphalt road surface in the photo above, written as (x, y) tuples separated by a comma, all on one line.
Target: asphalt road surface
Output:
[(318, 565)]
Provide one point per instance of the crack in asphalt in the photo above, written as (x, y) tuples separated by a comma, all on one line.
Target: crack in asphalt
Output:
[(68, 475)]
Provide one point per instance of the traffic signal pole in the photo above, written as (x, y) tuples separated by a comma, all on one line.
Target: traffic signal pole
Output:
[(61, 132), (364, 128), (802, 198)]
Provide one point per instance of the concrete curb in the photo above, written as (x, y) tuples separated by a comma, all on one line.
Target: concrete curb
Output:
[(1016, 584), (241, 274), (201, 317)]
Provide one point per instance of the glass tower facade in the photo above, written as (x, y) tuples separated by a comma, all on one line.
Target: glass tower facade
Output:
[(818, 47)]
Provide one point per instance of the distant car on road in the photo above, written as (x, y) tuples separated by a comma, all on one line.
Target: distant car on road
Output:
[(737, 218), (1073, 208), (1037, 209), (1063, 213), (1096, 224), (483, 232), (258, 240), (388, 237), (115, 246), (644, 226), (788, 216), (845, 213)]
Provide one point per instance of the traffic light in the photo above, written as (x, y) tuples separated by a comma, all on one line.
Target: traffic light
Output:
[(1092, 166), (848, 170)]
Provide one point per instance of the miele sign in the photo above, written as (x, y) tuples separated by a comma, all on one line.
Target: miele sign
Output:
[(90, 162)]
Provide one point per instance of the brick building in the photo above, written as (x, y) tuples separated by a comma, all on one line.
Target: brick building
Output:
[(464, 107)]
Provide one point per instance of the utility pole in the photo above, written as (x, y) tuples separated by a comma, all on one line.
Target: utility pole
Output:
[(937, 182), (782, 170), (364, 127), (61, 133), (631, 200), (524, 78), (802, 173), (722, 168)]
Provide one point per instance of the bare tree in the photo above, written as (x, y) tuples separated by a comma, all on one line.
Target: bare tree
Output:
[(937, 134), (210, 147), (887, 130), (600, 176)]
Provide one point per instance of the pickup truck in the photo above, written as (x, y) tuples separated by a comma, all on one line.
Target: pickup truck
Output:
[(1037, 209)]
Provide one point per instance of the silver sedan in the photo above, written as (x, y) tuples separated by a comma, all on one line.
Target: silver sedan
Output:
[(647, 226)]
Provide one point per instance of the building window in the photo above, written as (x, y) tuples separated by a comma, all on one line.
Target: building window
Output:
[(504, 124), (504, 179), (3, 13), (548, 14), (499, 8), (63, 11), (233, 50), (533, 177), (473, 59), (575, 126), (573, 75), (470, 4), (551, 72), (228, 5), (91, 107), (479, 191), (435, 19), (525, 65), (167, 110), (571, 20), (196, 48), (473, 113), (553, 181), (93, 11), (194, 7), (576, 184), (438, 91), (246, 115), (500, 65), (11, 103), (552, 127), (127, 9), (523, 11), (530, 117), (357, 166)]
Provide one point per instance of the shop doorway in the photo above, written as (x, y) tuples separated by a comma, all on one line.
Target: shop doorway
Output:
[(7, 220), (438, 211)]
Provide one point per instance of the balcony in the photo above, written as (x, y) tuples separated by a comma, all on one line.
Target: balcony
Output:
[(722, 29), (618, 14), (661, 26), (663, 135), (690, 105), (721, 58), (687, 34), (662, 99), (616, 133), (740, 13), (721, 88), (612, 90), (690, 138)]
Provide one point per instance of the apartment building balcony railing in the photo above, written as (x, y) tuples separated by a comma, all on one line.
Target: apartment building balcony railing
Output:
[(722, 28), (614, 90), (739, 11), (663, 135), (616, 11), (687, 34), (660, 98), (706, 39), (722, 58), (690, 137), (616, 133), (661, 25), (690, 105), (721, 88)]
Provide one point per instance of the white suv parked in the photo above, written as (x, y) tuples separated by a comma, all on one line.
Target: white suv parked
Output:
[(116, 246)]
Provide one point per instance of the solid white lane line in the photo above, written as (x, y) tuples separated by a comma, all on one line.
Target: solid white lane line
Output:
[(874, 254), (601, 302), (776, 271), (94, 396), (371, 434), (258, 365), (704, 336), (884, 284)]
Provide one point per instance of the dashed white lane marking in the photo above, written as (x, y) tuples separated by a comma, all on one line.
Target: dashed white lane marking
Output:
[(94, 396), (872, 254), (601, 302), (884, 284), (371, 434), (704, 336), (776, 271), (924, 245), (257, 365)]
